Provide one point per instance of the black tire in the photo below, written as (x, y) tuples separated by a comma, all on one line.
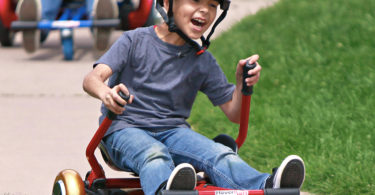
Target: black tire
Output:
[(6, 36), (125, 9)]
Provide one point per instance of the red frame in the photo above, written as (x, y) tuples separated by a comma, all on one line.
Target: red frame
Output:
[(202, 187), (98, 173)]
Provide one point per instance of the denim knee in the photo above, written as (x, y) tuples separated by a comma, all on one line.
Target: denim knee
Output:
[(156, 155)]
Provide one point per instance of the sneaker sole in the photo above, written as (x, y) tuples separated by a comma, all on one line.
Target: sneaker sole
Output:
[(102, 35), (30, 40), (29, 10), (26, 10), (290, 169), (102, 7), (184, 178)]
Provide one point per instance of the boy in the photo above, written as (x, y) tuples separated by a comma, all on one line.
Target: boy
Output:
[(163, 69)]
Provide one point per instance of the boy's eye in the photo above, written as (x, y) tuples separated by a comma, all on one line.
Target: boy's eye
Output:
[(214, 5)]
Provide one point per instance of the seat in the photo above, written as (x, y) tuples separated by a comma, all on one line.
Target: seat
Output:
[(107, 159)]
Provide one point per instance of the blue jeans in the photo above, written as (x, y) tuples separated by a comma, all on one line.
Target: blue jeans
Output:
[(153, 156)]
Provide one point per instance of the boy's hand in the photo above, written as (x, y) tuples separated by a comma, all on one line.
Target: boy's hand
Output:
[(112, 99), (255, 72), (232, 109)]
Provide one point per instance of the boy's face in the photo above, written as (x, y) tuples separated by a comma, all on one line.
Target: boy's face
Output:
[(194, 17)]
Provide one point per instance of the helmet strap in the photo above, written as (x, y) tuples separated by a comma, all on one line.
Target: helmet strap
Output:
[(221, 17), (172, 27)]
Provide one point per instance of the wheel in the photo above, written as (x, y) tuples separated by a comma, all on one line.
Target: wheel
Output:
[(67, 43), (6, 36), (68, 182)]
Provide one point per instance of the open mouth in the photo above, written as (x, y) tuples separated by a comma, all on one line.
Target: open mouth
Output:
[(198, 22)]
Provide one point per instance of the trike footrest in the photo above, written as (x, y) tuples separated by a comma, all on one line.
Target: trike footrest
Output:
[(179, 192), (282, 191)]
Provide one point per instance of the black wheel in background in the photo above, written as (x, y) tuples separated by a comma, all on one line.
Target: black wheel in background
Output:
[(6, 36)]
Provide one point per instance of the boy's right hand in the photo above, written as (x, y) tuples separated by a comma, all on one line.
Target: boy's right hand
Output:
[(112, 99)]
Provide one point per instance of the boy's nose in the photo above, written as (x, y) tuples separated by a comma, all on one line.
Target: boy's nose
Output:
[(203, 10)]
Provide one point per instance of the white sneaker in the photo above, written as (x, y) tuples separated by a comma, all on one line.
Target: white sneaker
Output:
[(290, 174), (104, 9), (183, 177), (29, 10)]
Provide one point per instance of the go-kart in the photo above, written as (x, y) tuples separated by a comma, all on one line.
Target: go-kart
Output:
[(70, 182), (73, 15)]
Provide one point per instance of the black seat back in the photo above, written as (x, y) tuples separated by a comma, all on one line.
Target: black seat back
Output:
[(227, 140)]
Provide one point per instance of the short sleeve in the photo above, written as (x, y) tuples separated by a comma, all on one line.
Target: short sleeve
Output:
[(216, 86), (117, 56)]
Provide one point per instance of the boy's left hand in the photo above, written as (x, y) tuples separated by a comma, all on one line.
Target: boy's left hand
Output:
[(255, 72), (232, 109)]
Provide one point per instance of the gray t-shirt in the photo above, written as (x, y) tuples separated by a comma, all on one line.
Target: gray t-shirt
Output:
[(163, 78)]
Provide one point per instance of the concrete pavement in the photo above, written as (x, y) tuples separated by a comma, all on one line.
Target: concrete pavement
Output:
[(46, 120)]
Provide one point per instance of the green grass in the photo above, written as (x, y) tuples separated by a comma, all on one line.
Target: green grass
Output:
[(315, 97)]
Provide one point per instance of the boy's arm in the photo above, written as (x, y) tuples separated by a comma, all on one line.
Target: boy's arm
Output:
[(94, 85), (232, 108)]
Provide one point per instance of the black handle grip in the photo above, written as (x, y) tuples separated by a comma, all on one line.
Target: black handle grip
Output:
[(112, 115), (247, 90), (124, 97)]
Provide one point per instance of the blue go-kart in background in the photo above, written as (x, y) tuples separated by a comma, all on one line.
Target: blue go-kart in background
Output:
[(73, 15)]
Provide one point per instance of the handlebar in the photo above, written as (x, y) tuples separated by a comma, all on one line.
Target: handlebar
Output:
[(97, 171), (245, 105)]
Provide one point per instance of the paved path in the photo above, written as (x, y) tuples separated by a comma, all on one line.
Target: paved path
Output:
[(46, 119)]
